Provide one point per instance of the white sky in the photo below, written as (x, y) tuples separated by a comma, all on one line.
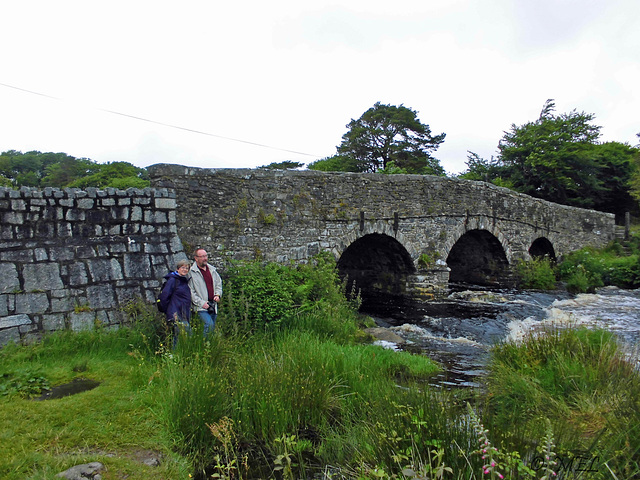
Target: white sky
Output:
[(290, 74)]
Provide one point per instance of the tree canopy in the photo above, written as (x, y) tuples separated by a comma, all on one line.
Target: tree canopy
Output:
[(558, 158), (286, 165), (36, 169), (385, 135)]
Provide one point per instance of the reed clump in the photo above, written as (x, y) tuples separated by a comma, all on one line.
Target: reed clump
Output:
[(579, 379)]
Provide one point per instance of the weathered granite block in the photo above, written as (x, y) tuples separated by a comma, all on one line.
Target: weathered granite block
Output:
[(86, 203), (82, 321), (18, 205), (14, 321), (136, 214), (165, 203), (64, 304), (137, 266), (9, 335), (41, 276), (101, 296), (9, 281), (31, 303), (13, 218), (77, 274), (103, 269), (53, 322)]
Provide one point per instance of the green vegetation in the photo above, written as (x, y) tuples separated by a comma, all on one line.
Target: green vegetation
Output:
[(586, 269), (558, 158), (290, 387), (589, 268), (578, 380), (538, 274), (286, 165), (43, 438), (36, 169), (388, 139)]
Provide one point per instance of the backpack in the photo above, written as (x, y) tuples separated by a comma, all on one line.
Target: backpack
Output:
[(158, 304)]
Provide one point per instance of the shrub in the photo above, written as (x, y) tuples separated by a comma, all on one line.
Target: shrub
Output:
[(537, 273), (589, 268), (261, 297)]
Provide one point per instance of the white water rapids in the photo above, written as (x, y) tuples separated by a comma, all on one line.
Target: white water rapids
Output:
[(459, 331)]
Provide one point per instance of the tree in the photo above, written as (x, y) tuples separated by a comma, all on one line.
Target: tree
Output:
[(558, 158), (478, 168), (552, 158), (36, 169), (618, 163), (336, 163), (634, 182), (286, 165), (120, 175), (69, 169), (388, 133)]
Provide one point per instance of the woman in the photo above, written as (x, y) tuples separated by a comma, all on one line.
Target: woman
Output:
[(175, 298)]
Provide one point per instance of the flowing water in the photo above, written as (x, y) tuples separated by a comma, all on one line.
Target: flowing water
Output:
[(459, 330)]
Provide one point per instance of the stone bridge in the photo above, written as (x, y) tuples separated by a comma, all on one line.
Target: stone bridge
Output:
[(408, 235)]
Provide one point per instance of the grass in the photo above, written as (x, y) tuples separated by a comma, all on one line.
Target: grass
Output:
[(308, 396), (578, 379), (42, 438), (585, 270), (279, 393), (298, 404)]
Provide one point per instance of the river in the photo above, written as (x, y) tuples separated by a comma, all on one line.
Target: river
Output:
[(458, 331)]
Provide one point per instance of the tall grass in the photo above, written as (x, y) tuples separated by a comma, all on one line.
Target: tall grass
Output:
[(582, 382), (537, 273), (292, 383), (589, 268)]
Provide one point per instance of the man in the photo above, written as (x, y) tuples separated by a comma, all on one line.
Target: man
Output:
[(206, 288)]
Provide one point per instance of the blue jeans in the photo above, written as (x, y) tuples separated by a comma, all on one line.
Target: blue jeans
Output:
[(178, 328), (208, 321)]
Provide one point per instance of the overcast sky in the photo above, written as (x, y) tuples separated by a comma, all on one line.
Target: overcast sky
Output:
[(243, 84)]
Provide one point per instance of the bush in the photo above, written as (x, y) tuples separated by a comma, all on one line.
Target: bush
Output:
[(589, 268), (265, 297), (538, 273)]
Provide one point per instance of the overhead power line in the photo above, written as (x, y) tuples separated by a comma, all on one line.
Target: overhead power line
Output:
[(169, 125)]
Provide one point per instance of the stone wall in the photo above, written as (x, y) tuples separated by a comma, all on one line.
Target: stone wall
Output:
[(288, 216), (72, 259)]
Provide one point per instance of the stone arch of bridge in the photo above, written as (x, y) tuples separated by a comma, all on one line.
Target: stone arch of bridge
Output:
[(542, 247), (477, 223), (478, 258), (353, 233), (478, 252), (377, 266)]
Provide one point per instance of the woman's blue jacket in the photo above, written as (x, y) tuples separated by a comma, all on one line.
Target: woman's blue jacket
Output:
[(176, 297)]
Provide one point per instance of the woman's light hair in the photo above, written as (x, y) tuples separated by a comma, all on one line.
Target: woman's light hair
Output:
[(182, 263)]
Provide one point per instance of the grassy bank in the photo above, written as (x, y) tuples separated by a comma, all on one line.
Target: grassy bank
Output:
[(290, 387)]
